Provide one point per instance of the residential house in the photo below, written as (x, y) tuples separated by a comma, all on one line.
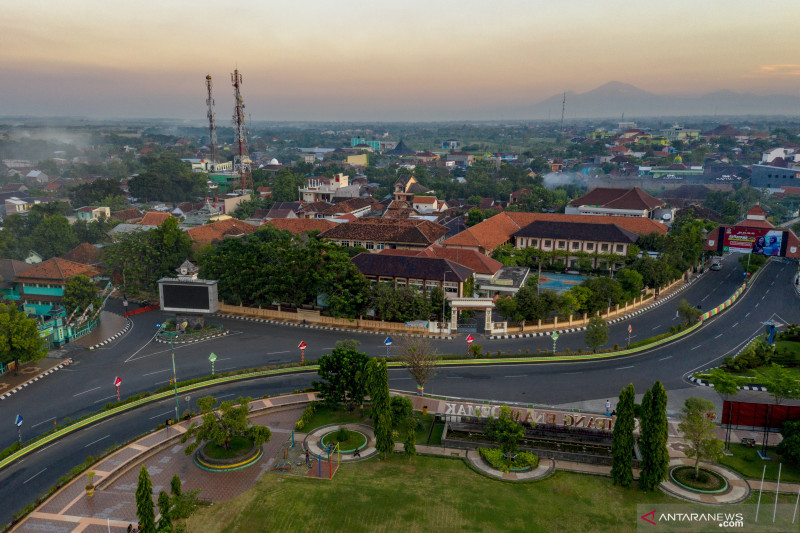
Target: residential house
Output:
[(486, 236), (37, 176), (131, 216), (9, 270), (154, 218), (264, 192), (407, 187), (357, 207), (617, 202), (460, 159), (572, 240), (422, 273), (17, 206), (451, 144), (428, 204), (376, 234), (215, 232), (90, 213), (85, 254), (322, 189), (301, 225), (41, 288)]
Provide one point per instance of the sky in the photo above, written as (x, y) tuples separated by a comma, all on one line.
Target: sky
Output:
[(305, 60)]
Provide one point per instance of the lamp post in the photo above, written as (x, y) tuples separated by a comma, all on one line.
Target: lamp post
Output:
[(444, 292), (172, 350)]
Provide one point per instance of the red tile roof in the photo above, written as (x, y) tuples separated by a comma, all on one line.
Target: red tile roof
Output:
[(400, 231), (476, 261), (301, 225), (154, 218), (757, 210), (497, 230), (126, 215), (634, 198), (56, 269), (216, 231), (84, 253)]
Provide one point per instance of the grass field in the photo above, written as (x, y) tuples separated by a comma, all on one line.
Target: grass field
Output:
[(747, 462), (326, 415)]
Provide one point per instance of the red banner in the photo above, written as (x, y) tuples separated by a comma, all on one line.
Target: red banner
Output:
[(762, 241), (758, 415)]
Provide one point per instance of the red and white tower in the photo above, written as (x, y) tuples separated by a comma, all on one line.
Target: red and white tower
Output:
[(212, 128), (241, 159)]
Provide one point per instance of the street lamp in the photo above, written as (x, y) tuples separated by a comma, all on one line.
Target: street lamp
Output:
[(444, 292), (172, 349)]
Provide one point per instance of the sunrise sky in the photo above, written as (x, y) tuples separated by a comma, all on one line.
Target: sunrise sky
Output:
[(398, 60)]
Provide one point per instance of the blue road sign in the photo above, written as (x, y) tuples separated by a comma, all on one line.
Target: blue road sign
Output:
[(388, 341), (18, 421)]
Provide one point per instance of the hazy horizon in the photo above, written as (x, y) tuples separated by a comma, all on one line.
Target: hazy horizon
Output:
[(416, 61)]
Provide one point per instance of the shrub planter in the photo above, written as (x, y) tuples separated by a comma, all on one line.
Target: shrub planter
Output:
[(710, 482), (207, 460)]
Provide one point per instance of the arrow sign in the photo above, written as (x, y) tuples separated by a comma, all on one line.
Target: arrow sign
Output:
[(18, 421), (212, 357), (388, 341), (117, 381), (302, 345), (555, 335), (630, 328), (470, 338)]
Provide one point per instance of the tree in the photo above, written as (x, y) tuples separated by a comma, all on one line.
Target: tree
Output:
[(220, 426), (20, 341), (144, 502), (726, 385), (654, 432), (381, 409), (631, 282), (410, 442), (419, 356), (789, 447), (165, 522), (596, 332), (622, 443), (781, 385), (505, 430), (697, 426), (343, 372), (80, 292), (687, 311), (53, 236)]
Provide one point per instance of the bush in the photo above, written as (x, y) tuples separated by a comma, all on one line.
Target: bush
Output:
[(308, 414), (789, 447), (495, 457)]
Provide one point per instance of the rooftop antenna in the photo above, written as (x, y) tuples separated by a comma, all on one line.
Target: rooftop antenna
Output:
[(212, 128), (241, 159)]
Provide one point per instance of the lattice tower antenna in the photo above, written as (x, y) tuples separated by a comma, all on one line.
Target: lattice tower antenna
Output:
[(241, 160), (563, 109), (212, 128)]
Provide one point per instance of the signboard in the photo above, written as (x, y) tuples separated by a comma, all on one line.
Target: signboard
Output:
[(388, 341), (761, 241), (18, 421), (535, 416), (197, 296), (470, 338), (554, 336), (212, 357), (117, 381), (302, 345)]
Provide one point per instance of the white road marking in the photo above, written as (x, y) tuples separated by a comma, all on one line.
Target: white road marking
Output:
[(756, 305), (159, 416), (84, 392), (98, 440), (33, 476), (665, 358), (747, 315), (43, 449), (106, 398), (517, 376), (42, 422), (720, 335), (655, 328), (733, 326), (157, 372), (696, 347), (625, 367), (455, 377), (225, 395), (706, 298)]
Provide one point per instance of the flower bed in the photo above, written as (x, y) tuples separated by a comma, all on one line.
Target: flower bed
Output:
[(523, 460), (708, 482)]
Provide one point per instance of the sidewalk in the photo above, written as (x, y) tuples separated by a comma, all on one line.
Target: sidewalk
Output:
[(11, 383), (110, 324)]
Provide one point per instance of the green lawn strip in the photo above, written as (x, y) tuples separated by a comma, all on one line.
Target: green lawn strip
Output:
[(791, 347), (747, 462), (354, 440), (325, 415), (423, 427), (428, 494)]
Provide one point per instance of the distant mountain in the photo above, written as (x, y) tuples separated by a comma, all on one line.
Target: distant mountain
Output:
[(615, 98)]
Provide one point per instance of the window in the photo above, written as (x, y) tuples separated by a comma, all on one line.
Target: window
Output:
[(603, 247), (562, 244), (576, 245), (590, 246), (620, 247), (369, 245), (415, 283), (431, 284), (357, 243), (534, 242), (345, 243), (451, 287), (384, 279), (401, 282), (547, 244), (379, 246)]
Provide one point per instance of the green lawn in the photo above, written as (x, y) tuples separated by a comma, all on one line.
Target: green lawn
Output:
[(424, 494), (326, 415), (351, 441), (747, 462)]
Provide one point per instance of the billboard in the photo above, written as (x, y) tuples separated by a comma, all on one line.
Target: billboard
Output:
[(197, 296), (761, 241)]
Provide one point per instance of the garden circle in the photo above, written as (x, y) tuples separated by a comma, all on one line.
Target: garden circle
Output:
[(709, 482), (349, 440), (241, 453)]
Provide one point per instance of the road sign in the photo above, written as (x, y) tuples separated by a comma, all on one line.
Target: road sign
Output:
[(18, 421), (388, 341), (302, 345), (555, 335), (117, 382), (470, 338), (630, 328), (212, 357)]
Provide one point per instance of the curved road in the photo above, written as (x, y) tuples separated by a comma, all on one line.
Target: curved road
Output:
[(771, 296)]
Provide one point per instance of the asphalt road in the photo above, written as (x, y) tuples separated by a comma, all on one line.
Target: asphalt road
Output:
[(143, 365)]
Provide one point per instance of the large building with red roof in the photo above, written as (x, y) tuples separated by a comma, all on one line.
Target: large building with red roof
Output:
[(615, 202), (41, 287)]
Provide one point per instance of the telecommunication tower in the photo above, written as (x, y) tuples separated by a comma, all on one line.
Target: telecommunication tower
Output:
[(241, 159), (212, 128)]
